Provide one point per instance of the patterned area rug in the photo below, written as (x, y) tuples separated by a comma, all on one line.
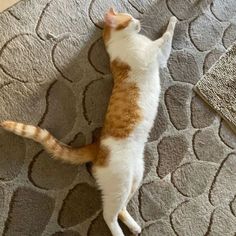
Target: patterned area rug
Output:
[(54, 72), (218, 87)]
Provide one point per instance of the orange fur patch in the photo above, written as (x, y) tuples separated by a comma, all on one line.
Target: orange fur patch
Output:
[(122, 21), (23, 130), (102, 156), (47, 138), (53, 145), (37, 133), (90, 150), (123, 112), (9, 125), (106, 34)]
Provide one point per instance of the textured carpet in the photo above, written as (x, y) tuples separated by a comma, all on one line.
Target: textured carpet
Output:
[(218, 87), (54, 72)]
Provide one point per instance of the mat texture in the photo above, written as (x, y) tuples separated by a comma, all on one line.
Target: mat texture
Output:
[(218, 87), (54, 72)]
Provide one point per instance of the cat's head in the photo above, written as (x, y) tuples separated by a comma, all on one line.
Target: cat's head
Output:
[(120, 24)]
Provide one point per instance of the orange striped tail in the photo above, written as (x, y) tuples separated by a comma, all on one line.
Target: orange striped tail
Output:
[(59, 150)]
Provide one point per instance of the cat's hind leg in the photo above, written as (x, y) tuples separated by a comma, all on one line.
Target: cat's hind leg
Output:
[(113, 203), (137, 177), (115, 183), (128, 220), (124, 215), (114, 207)]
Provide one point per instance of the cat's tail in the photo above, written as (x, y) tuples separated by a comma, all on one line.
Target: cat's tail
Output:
[(59, 150)]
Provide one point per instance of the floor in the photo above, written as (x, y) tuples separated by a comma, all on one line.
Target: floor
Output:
[(54, 73)]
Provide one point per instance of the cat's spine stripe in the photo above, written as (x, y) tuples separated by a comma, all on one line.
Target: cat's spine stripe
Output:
[(51, 144)]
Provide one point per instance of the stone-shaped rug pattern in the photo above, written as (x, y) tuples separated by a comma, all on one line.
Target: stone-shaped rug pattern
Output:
[(54, 72)]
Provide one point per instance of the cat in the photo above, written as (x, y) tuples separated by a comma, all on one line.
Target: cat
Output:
[(118, 155)]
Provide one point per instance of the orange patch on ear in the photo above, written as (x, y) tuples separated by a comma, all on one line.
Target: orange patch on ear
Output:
[(123, 21)]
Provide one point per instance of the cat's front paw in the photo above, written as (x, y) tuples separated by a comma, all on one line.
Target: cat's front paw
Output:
[(173, 20)]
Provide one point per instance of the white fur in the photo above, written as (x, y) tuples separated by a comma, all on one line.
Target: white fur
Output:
[(123, 175)]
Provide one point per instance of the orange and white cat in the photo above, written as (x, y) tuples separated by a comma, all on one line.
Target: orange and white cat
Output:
[(117, 156)]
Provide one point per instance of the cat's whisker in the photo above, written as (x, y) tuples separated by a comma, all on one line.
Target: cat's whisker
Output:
[(147, 15), (144, 31), (146, 26)]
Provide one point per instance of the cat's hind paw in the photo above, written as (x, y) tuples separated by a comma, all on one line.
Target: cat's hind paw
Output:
[(136, 230)]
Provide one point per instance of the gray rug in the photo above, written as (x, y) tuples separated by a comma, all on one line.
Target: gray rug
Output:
[(54, 72), (218, 87)]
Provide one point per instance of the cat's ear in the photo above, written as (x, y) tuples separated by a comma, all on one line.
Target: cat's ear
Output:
[(110, 18), (112, 11)]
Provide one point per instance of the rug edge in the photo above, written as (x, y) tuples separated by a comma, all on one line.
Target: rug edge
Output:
[(198, 92)]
